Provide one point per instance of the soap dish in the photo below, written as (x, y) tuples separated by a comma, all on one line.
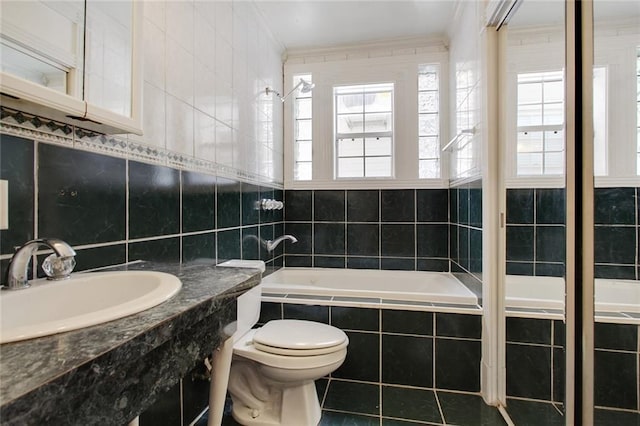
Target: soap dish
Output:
[(240, 263)]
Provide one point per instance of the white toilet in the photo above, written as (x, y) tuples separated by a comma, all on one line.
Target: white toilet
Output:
[(274, 367)]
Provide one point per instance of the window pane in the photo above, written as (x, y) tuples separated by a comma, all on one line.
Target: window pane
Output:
[(554, 163), (350, 147), (303, 108), (429, 147), (530, 93), (429, 169), (530, 115), (377, 102), (350, 123), (302, 171), (378, 166), (553, 91), (378, 122), (303, 150), (428, 124), (349, 103), (428, 102), (378, 146), (554, 141), (428, 81), (303, 129), (553, 114), (350, 167), (529, 164), (530, 142)]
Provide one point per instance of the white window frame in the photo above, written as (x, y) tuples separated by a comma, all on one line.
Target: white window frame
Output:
[(402, 70)]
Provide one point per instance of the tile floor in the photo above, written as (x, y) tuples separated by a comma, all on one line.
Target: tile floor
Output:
[(348, 403)]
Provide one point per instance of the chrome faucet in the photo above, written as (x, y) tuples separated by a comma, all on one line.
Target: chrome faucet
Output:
[(271, 245), (17, 275)]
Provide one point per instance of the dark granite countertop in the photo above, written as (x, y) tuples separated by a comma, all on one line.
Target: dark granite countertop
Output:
[(33, 371)]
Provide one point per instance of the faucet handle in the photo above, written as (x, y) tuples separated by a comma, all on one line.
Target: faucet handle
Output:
[(58, 268)]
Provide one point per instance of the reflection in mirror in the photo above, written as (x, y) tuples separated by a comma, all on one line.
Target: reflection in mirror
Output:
[(25, 64), (109, 40), (41, 42)]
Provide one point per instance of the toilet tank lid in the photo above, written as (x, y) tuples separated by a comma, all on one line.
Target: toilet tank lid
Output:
[(299, 334)]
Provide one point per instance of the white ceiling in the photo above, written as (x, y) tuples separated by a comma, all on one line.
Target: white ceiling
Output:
[(323, 23)]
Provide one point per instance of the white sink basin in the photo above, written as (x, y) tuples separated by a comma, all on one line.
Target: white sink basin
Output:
[(50, 307)]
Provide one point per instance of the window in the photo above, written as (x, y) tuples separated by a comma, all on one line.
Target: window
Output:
[(364, 131), (428, 122), (540, 118), (302, 168)]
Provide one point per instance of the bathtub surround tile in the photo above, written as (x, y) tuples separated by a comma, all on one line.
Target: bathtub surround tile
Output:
[(16, 166), (198, 202), (407, 322), (397, 264), (294, 261), (433, 240), (527, 330), (269, 216), (398, 205), (303, 232), (250, 243), (550, 206), (397, 240), (615, 244), (363, 206), (615, 206), (329, 262), (330, 206), (412, 404), (549, 269), (520, 206), (458, 325), (363, 358), (89, 193), (298, 206), (457, 364), (306, 312), (353, 397), (550, 243), (407, 360), (520, 268), (468, 410), (250, 204), (363, 262), (520, 240), (229, 245), (463, 206), (475, 250), (363, 239), (348, 318), (164, 250), (623, 337), (329, 238), (559, 363), (430, 203), (154, 200), (615, 272), (228, 200), (266, 233), (434, 265), (475, 207), (529, 371), (616, 379)]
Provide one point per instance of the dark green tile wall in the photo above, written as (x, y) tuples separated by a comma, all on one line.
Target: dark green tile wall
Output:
[(402, 229)]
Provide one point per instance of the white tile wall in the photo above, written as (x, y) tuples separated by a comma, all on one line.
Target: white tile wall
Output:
[(206, 64)]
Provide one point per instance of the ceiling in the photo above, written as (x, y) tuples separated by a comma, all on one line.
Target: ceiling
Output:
[(301, 24)]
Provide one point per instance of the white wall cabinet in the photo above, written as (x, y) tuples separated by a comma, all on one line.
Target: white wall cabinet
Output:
[(74, 61)]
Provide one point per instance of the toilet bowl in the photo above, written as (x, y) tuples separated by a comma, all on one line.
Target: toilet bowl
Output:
[(274, 368)]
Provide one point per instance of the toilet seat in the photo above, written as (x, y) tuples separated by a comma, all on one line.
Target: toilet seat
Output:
[(299, 338)]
